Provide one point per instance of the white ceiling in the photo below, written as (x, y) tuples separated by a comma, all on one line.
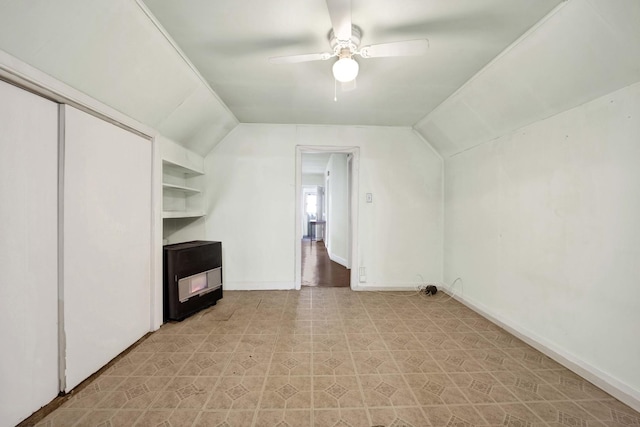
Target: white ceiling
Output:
[(480, 79), (315, 163), (113, 52), (230, 41), (586, 49)]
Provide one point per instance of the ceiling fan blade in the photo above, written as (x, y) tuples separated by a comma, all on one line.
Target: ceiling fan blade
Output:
[(405, 48), (349, 86), (292, 59), (250, 45), (465, 23), (340, 14)]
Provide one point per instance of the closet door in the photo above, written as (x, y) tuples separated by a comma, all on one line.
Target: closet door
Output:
[(28, 253), (107, 241)]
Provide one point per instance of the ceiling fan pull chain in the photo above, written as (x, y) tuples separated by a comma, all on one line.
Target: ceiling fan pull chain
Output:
[(335, 90)]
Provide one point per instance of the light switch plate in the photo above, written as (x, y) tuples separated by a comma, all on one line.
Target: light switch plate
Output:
[(369, 198)]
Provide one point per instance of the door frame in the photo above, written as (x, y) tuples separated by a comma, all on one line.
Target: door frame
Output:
[(349, 214), (327, 208), (354, 179)]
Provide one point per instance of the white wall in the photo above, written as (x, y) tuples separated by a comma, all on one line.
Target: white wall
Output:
[(28, 253), (542, 226), (182, 230), (179, 155), (107, 242), (315, 179), (338, 209), (250, 193)]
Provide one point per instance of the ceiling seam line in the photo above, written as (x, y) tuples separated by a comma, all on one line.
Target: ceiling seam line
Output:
[(506, 50), (182, 55), (426, 141), (550, 116)]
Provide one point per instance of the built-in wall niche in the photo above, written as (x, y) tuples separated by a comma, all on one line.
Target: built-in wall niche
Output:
[(181, 191), (177, 230)]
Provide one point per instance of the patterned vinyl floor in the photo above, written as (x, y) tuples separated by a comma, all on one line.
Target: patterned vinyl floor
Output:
[(334, 357)]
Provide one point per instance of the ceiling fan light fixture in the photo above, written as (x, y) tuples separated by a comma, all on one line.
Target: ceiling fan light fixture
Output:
[(345, 69)]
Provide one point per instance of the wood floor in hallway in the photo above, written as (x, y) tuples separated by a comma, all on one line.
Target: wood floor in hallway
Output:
[(318, 269)]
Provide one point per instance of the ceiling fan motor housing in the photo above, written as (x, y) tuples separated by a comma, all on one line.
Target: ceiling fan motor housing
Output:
[(345, 68), (352, 44)]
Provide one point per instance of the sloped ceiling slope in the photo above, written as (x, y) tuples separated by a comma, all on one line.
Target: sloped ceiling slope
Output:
[(584, 50), (113, 52), (230, 42)]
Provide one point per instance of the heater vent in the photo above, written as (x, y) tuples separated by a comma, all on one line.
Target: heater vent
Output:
[(199, 284)]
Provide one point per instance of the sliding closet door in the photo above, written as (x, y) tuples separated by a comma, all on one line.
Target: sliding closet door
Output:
[(28, 253), (107, 241)]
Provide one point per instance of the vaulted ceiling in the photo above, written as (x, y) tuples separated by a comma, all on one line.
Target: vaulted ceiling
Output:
[(230, 41), (113, 52), (584, 50), (194, 69)]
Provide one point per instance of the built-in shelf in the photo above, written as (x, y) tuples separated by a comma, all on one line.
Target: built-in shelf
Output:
[(182, 188), (181, 185), (169, 165), (182, 214)]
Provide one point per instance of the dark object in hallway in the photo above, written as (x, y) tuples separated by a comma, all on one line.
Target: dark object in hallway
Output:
[(431, 290), (318, 269), (192, 277)]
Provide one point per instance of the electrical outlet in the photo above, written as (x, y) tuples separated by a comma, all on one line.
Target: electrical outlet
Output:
[(363, 275), (369, 198)]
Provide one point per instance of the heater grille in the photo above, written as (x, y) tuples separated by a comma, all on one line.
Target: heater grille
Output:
[(199, 284)]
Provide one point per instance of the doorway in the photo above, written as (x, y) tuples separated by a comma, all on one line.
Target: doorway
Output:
[(326, 219)]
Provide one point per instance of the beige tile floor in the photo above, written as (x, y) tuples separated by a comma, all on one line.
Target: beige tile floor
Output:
[(333, 357)]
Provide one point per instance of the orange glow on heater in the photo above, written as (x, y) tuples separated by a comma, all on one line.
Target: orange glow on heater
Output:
[(198, 283)]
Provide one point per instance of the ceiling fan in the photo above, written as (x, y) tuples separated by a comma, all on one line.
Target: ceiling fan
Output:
[(344, 39)]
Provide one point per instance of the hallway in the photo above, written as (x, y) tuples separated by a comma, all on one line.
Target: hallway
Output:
[(318, 269)]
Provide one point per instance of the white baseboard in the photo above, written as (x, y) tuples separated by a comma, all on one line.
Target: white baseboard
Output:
[(335, 258), (611, 385), (258, 286), (399, 287)]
